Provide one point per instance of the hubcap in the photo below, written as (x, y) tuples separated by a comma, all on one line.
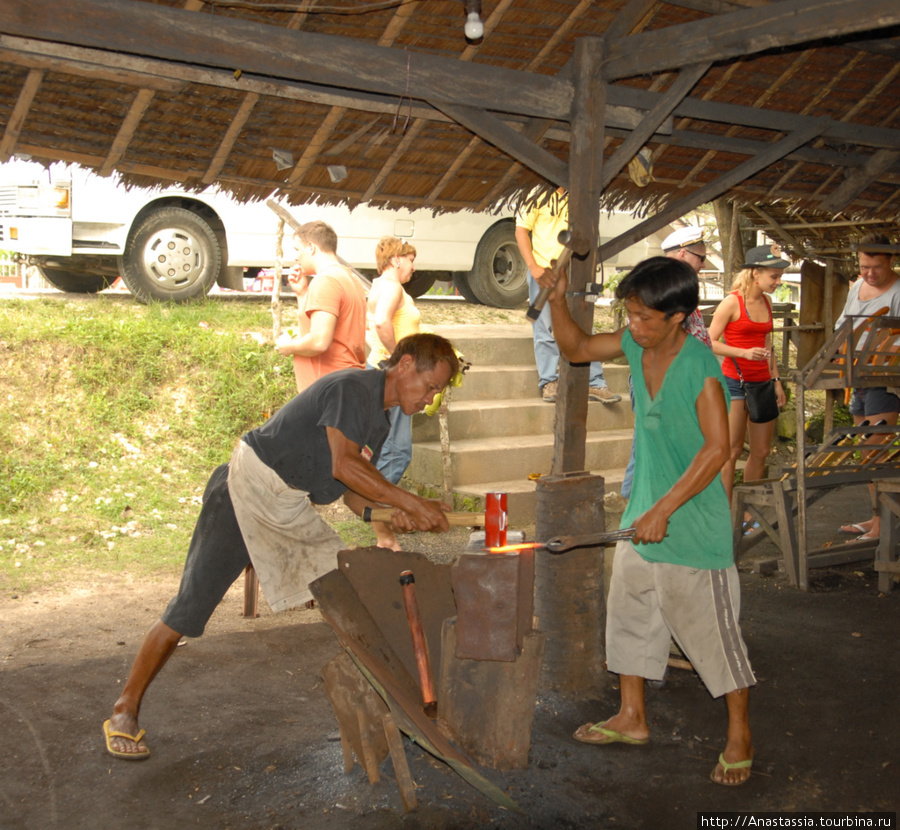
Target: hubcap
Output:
[(174, 258)]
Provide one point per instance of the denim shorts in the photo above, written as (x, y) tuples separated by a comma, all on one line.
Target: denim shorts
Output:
[(735, 389), (873, 401)]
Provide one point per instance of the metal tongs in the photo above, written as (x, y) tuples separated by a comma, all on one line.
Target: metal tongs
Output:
[(560, 544)]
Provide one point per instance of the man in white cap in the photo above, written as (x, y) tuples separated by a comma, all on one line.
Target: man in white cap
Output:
[(687, 245)]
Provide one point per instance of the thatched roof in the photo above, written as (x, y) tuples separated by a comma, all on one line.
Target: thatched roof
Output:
[(791, 109)]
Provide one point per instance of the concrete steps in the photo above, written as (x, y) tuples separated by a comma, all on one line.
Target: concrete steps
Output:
[(501, 432)]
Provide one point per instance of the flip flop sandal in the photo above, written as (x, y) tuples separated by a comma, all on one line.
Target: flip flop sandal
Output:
[(125, 756), (597, 733), (726, 767), (855, 529), (750, 527)]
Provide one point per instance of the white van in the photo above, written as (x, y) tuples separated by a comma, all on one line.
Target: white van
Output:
[(83, 230)]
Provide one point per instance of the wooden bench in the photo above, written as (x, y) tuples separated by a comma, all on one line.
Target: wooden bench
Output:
[(847, 455), (842, 459)]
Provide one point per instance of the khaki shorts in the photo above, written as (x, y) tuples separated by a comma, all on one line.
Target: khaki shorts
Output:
[(650, 603)]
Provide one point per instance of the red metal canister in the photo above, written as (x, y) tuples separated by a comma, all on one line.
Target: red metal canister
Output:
[(494, 520)]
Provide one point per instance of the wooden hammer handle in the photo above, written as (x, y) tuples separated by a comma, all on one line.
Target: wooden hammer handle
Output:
[(420, 644), (559, 265), (383, 514)]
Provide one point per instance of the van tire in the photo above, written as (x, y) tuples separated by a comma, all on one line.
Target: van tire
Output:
[(499, 276), (420, 283), (75, 282), (172, 255), (461, 281)]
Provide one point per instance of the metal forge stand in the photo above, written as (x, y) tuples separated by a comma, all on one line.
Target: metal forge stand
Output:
[(485, 701)]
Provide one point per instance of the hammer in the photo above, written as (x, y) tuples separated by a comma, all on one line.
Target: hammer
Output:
[(572, 244), (462, 519)]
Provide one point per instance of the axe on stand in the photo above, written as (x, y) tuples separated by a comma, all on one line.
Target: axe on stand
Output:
[(572, 243)]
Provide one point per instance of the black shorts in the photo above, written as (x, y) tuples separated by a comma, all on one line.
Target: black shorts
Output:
[(216, 557)]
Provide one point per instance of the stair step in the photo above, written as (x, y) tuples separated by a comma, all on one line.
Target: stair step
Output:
[(521, 495), (495, 418), (520, 381), (486, 345), (512, 456)]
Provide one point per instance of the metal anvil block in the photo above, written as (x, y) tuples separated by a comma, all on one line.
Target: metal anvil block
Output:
[(494, 595)]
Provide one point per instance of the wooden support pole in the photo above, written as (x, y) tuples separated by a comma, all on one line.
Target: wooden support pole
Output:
[(585, 165)]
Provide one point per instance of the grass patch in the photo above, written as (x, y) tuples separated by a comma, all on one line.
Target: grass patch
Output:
[(114, 415)]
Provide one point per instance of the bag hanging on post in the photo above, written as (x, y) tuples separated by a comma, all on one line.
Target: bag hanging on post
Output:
[(760, 398)]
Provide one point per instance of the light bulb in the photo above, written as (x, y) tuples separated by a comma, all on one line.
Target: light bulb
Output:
[(474, 27)]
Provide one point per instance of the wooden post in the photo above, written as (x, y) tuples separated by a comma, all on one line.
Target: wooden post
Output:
[(276, 287), (585, 163)]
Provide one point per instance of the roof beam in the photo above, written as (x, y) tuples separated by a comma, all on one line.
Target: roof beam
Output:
[(711, 191), (880, 162), (126, 130), (20, 111), (510, 141), (626, 151), (741, 33), (231, 134), (186, 37)]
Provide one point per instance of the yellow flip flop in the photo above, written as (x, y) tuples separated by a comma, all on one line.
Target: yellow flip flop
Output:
[(125, 756)]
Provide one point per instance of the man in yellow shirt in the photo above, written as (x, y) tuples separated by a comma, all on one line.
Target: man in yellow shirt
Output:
[(537, 228)]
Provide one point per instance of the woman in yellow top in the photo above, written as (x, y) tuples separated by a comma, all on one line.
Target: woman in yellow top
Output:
[(391, 315)]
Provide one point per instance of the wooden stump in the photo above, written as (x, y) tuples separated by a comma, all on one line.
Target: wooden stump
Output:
[(487, 706)]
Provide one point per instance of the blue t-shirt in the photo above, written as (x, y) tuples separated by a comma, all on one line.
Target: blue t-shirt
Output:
[(667, 436)]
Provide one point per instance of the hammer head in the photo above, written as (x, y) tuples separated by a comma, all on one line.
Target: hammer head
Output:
[(575, 242)]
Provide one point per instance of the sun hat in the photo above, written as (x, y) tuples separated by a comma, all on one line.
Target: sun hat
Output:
[(765, 256)]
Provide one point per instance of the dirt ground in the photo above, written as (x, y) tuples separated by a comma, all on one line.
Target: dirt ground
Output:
[(242, 734)]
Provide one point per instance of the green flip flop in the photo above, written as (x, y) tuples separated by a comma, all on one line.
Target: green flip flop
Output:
[(745, 764)]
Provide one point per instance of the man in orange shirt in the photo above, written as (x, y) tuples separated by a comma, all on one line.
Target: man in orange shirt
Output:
[(332, 320)]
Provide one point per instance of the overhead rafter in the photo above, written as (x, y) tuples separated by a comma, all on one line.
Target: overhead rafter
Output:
[(710, 191), (172, 34), (23, 104)]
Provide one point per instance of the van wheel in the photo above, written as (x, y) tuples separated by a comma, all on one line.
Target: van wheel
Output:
[(172, 255), (75, 282), (420, 283), (461, 281), (499, 275)]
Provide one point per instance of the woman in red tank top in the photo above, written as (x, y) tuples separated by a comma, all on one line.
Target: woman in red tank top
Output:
[(744, 317)]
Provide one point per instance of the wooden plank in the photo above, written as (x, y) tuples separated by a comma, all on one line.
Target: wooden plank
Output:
[(745, 32), (20, 111), (685, 82), (231, 134), (408, 138), (401, 767), (94, 71), (880, 162), (495, 131), (358, 710), (370, 762), (314, 148), (713, 189), (127, 129), (151, 30)]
